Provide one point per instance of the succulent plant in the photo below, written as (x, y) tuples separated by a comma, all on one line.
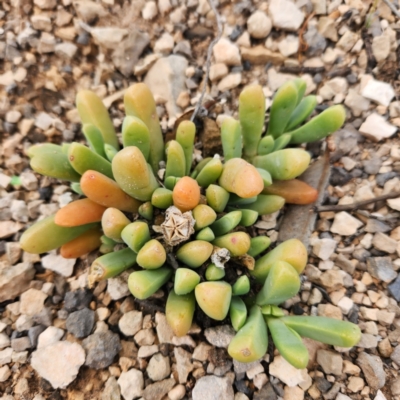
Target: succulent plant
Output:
[(184, 225)]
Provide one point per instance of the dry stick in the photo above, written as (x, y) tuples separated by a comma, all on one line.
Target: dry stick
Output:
[(208, 62), (392, 7), (354, 206)]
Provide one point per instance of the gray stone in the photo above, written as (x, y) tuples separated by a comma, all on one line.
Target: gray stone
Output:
[(21, 344), (59, 264), (66, 50), (109, 37), (183, 364), (394, 288), (220, 336), (15, 279), (158, 367), (213, 388), (166, 79), (32, 302), (158, 390), (381, 268), (395, 356), (118, 287), (226, 52), (372, 368), (58, 363), (164, 331), (285, 15), (378, 91), (331, 363), (126, 55), (259, 25), (376, 128), (80, 323), (357, 103), (101, 348), (384, 243), (111, 390), (49, 336), (131, 383), (266, 393), (131, 323)]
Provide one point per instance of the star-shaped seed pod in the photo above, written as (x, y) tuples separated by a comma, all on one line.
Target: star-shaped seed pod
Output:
[(178, 226)]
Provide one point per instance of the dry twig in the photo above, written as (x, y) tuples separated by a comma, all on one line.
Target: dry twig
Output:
[(208, 62), (359, 204)]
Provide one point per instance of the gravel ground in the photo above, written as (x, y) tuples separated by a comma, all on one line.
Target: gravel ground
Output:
[(51, 324)]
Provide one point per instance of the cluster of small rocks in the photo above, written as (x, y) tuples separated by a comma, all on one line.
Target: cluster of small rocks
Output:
[(58, 339)]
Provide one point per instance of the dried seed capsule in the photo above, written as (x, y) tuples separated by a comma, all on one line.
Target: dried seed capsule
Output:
[(139, 102), (105, 191), (195, 253), (241, 286), (152, 255), (186, 194), (82, 245), (185, 280), (266, 204), (251, 342), (204, 216), (83, 159), (136, 133), (320, 126), (282, 283), (292, 251), (226, 223), (214, 273), (162, 198), (176, 163), (326, 330), (241, 178), (92, 111), (113, 222), (135, 235), (252, 117), (301, 112), (179, 312), (282, 107), (146, 210), (284, 164), (49, 160), (206, 234), (133, 174), (237, 313), (258, 244), (217, 197), (293, 191), (142, 284), (210, 173), (231, 138), (238, 243), (288, 342), (46, 235), (79, 212), (185, 137), (94, 138), (214, 298), (110, 265)]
